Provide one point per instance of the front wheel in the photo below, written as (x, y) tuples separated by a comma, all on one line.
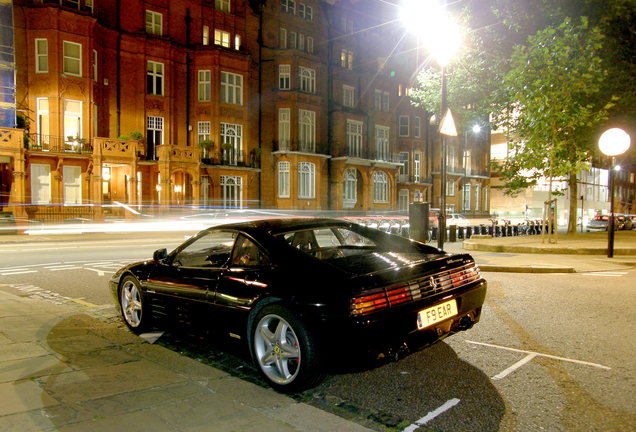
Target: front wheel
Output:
[(133, 308), (284, 350)]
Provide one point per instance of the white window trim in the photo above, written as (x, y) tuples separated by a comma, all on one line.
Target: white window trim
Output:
[(39, 55), (156, 70), (306, 180), (79, 60), (204, 85), (231, 90), (154, 26), (284, 179)]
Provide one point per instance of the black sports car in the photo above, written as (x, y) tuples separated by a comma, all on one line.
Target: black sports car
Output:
[(298, 290)]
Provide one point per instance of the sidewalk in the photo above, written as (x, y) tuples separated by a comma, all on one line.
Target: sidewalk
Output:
[(62, 369)]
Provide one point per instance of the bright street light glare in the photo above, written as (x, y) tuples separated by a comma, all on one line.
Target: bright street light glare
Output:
[(430, 20), (476, 129), (614, 142)]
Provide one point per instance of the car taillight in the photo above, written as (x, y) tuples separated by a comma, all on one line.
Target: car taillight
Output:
[(464, 276), (380, 299)]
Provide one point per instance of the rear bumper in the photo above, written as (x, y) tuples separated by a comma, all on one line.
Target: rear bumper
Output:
[(396, 329)]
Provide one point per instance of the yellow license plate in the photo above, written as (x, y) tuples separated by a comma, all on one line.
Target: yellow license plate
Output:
[(435, 314)]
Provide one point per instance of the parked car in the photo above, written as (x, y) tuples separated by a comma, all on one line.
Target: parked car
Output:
[(632, 218), (302, 291), (456, 219), (599, 223)]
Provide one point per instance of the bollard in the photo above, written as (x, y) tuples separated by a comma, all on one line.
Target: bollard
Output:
[(469, 232), (434, 233), (452, 233)]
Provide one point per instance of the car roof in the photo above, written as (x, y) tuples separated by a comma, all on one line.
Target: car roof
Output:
[(277, 226)]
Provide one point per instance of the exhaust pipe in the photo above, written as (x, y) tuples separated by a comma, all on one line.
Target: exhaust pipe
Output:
[(466, 323)]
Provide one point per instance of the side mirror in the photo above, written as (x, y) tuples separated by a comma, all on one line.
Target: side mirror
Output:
[(160, 255)]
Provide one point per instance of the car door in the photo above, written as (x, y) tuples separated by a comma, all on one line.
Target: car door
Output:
[(246, 277), (191, 273)]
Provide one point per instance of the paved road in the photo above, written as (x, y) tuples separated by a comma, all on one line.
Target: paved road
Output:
[(552, 352)]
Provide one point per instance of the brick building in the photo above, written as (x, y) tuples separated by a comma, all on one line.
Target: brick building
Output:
[(227, 103)]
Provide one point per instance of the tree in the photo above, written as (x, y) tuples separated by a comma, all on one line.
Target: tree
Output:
[(550, 104)]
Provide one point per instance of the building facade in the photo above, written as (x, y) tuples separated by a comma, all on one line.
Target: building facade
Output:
[(127, 107)]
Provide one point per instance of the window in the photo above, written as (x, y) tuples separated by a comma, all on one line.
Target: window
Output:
[(95, 70), (380, 187), (72, 176), (231, 88), (486, 202), (450, 159), (40, 184), (310, 45), (284, 128), (385, 101), (301, 10), (154, 135), (72, 58), (350, 188), (354, 138), (292, 40), (403, 199), (222, 38), (466, 197), (205, 77), (306, 130), (404, 166), (416, 127), (404, 126), (283, 179), (232, 191), (247, 254), (154, 23), (282, 38), (203, 131), (346, 59), (477, 197), (43, 123), (416, 166), (382, 142), (467, 162), (72, 122), (377, 100), (301, 41), (307, 80), (155, 78), (450, 188), (41, 55), (306, 180), (232, 143), (284, 77), (309, 13), (206, 35), (210, 250), (222, 5), (237, 42), (348, 96), (288, 6)]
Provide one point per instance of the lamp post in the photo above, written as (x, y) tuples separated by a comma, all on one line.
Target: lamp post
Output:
[(430, 20), (613, 142)]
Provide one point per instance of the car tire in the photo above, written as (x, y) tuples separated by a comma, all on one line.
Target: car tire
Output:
[(134, 309), (284, 350)]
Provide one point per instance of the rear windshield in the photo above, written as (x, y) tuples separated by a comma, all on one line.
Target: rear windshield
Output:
[(327, 243)]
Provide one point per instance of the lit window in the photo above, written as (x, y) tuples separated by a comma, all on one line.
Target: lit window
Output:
[(232, 143), (222, 5), (222, 38), (154, 23), (206, 35), (237, 42), (41, 55), (72, 58), (346, 59), (155, 78), (231, 88)]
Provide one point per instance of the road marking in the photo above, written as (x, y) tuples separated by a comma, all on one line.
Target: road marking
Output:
[(83, 303), (431, 415), (606, 274), (99, 272), (529, 357), (18, 272)]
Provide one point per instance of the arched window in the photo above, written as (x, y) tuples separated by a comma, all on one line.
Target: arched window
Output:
[(350, 188), (380, 187)]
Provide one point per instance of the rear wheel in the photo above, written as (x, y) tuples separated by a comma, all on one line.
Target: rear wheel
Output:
[(133, 308), (284, 350)]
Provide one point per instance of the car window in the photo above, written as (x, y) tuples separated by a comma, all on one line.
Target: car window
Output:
[(210, 250), (247, 254), (327, 243)]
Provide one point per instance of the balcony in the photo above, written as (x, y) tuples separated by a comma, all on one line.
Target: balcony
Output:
[(294, 146), (372, 155), (409, 178), (232, 158), (57, 144)]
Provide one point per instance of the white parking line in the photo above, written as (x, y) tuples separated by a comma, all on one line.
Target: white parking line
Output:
[(605, 274), (17, 272), (529, 357), (431, 415)]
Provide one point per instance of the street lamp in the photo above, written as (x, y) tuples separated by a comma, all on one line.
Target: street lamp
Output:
[(430, 20), (613, 142)]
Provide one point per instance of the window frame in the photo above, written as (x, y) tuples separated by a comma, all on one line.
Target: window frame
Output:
[(74, 59), (153, 26), (284, 176), (155, 75), (41, 55), (380, 187), (306, 180), (307, 77), (231, 90), (204, 88)]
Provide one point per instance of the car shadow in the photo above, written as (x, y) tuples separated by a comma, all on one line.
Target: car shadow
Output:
[(379, 394)]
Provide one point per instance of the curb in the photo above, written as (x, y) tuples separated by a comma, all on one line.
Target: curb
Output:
[(468, 245), (524, 269)]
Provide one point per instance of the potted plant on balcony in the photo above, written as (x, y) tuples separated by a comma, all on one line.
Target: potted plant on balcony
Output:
[(228, 151), (206, 145)]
